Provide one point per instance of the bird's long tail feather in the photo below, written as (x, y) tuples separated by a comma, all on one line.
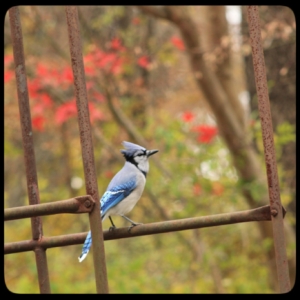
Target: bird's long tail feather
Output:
[(86, 247), (87, 244)]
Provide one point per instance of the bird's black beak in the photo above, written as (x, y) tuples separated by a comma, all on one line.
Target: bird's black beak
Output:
[(151, 152)]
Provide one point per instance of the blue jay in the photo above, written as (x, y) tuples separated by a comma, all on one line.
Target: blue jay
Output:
[(125, 189)]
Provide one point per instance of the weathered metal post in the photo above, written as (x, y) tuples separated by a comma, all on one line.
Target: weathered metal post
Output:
[(269, 150), (87, 147), (29, 156)]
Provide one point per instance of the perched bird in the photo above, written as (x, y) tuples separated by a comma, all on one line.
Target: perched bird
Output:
[(125, 189)]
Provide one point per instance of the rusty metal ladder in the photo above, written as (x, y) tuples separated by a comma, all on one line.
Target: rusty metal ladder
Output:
[(89, 203)]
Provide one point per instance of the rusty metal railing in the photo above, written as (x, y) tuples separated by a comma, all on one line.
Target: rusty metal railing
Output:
[(269, 149), (90, 203), (253, 215), (77, 205)]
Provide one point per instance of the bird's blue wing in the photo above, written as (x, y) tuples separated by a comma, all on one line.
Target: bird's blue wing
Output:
[(116, 194), (111, 197), (123, 183)]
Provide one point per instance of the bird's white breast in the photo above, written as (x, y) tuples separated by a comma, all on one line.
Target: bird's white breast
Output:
[(126, 205)]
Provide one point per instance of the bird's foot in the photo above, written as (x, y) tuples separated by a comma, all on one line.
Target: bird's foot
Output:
[(112, 228), (133, 225)]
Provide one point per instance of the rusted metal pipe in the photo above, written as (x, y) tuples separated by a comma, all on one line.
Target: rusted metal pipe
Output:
[(42, 268), (77, 205), (45, 242), (87, 147), (269, 149), (29, 156), (258, 214)]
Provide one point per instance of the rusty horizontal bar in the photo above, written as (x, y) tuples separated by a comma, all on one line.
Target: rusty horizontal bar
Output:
[(269, 149), (258, 214), (77, 205)]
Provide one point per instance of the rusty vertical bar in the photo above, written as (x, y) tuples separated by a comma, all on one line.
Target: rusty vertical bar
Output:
[(269, 150), (87, 147), (29, 156)]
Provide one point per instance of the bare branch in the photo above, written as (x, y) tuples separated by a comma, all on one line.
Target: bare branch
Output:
[(130, 127)]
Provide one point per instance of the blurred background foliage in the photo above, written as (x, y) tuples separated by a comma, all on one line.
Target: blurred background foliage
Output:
[(141, 89)]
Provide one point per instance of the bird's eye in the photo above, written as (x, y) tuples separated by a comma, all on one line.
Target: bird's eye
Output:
[(140, 154)]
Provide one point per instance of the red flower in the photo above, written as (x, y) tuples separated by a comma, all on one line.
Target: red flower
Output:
[(90, 71), (8, 59), (65, 112), (109, 174), (8, 75), (69, 110), (116, 67), (178, 43), (197, 189), (143, 61), (89, 57), (46, 100), (188, 116), (106, 59), (34, 85), (136, 21), (67, 74), (110, 62), (98, 96), (38, 123), (116, 44), (41, 70), (217, 188), (206, 133)]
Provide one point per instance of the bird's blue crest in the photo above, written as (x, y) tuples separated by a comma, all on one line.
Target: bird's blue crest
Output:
[(131, 149)]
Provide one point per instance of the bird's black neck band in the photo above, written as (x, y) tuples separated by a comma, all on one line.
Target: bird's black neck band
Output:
[(131, 160), (145, 174)]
